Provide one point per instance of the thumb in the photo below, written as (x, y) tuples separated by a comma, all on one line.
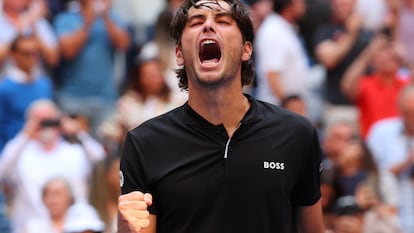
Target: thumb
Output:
[(148, 198)]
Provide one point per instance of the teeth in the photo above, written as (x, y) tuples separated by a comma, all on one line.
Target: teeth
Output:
[(208, 42)]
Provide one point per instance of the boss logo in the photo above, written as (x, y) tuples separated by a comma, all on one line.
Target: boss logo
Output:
[(274, 165)]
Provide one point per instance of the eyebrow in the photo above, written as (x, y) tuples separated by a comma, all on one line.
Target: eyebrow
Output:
[(203, 16)]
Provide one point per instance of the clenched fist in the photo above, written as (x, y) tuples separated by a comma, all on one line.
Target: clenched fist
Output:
[(133, 212)]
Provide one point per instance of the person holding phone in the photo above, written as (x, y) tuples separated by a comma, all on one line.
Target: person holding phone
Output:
[(38, 153)]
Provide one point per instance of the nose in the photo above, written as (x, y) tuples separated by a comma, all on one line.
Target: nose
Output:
[(209, 25)]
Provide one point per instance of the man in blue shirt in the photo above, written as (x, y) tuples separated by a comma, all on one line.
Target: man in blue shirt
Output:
[(21, 85), (88, 39)]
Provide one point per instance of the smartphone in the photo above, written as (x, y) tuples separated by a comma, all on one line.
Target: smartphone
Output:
[(50, 123)]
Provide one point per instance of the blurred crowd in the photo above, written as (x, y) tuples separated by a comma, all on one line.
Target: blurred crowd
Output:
[(75, 75)]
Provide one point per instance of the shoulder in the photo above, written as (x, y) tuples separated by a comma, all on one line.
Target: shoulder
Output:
[(66, 18), (388, 126), (276, 116), (160, 125), (5, 83)]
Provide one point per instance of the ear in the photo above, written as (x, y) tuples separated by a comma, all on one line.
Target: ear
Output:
[(179, 56), (247, 50)]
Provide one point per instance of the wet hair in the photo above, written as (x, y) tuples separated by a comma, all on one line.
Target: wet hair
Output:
[(241, 16)]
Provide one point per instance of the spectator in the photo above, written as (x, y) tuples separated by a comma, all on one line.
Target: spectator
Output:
[(335, 137), (147, 95), (39, 153), (163, 47), (88, 39), (259, 10), (24, 17), (141, 15), (405, 30), (375, 95), (282, 66), (4, 221), (379, 216), (391, 141), (337, 44), (105, 190), (318, 12), (83, 218), (294, 103), (373, 13), (356, 166), (20, 86), (348, 216), (57, 196)]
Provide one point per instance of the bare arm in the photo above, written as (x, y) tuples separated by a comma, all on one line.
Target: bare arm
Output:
[(330, 52), (310, 219), (4, 52), (72, 44), (404, 165), (49, 53), (273, 79), (118, 36), (349, 83)]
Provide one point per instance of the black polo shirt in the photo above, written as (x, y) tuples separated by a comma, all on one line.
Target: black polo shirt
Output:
[(204, 182)]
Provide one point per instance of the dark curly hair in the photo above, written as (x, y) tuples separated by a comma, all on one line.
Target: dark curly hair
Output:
[(242, 17)]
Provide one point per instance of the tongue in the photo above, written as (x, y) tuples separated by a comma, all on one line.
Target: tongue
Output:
[(210, 53)]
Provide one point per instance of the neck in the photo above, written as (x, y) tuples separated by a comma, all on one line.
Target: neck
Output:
[(220, 106), (349, 170), (387, 78), (288, 17), (57, 222)]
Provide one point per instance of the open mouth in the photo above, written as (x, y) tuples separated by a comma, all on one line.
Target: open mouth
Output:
[(209, 51)]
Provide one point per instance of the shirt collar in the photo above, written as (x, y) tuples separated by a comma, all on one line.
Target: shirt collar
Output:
[(17, 75), (193, 118)]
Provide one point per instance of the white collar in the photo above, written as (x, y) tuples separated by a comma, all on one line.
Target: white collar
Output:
[(17, 75)]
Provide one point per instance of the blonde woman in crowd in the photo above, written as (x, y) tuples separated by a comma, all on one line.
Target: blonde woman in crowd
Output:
[(105, 190)]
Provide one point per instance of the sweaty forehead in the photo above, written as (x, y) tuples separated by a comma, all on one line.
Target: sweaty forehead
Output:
[(209, 5)]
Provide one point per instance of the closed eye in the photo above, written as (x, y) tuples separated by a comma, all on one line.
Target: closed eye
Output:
[(224, 18)]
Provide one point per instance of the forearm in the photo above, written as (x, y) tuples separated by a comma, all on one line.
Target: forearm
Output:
[(50, 54), (11, 153), (4, 52), (330, 53), (349, 83), (310, 219), (118, 36), (399, 168), (94, 150), (72, 44), (275, 84)]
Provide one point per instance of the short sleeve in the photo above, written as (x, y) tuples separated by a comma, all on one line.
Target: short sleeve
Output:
[(132, 171), (307, 191), (66, 23)]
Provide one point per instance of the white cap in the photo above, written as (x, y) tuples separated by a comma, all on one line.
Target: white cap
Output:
[(82, 217)]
